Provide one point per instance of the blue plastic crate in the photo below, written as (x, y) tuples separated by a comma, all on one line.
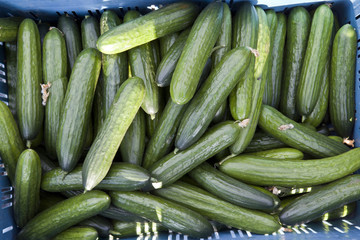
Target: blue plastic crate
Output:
[(348, 11)]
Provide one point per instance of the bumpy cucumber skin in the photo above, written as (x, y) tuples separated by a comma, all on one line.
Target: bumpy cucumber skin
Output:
[(290, 172), (312, 205), (27, 187), (341, 99), (29, 77), (314, 60), (166, 42), (298, 29), (90, 31), (173, 216), (9, 28), (11, 75), (298, 136), (280, 153), (76, 109), (63, 215), (122, 112), (202, 38), (83, 233), (169, 19)]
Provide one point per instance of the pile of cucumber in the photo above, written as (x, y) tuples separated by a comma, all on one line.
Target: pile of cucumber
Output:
[(186, 119)]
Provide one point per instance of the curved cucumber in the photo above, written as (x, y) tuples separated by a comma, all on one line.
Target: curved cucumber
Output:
[(83, 233), (166, 42), (280, 153), (263, 141), (90, 31)]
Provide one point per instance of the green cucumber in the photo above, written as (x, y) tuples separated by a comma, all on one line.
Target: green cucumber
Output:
[(37, 141), (63, 215), (298, 136), (9, 28), (72, 34), (202, 38), (230, 189), (280, 153), (120, 214), (121, 177), (142, 65), (263, 141), (156, 24), (73, 233), (122, 112), (166, 42), (219, 210), (90, 31), (222, 114), (212, 93), (341, 99), (290, 172), (314, 60), (133, 229), (344, 211), (245, 33), (314, 204), (297, 33), (176, 164), (11, 75), (260, 68), (337, 138), (169, 214), (76, 109), (27, 187), (46, 164), (101, 224), (29, 110), (156, 52), (89, 135)]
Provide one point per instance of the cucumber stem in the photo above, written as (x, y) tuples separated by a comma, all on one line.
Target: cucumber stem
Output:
[(28, 143)]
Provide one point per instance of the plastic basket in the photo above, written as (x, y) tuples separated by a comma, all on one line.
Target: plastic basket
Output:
[(49, 10)]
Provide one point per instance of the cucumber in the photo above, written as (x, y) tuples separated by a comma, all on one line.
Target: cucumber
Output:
[(202, 38), (166, 42), (230, 189), (314, 204), (222, 114), (280, 153), (83, 233), (290, 172), (260, 68), (175, 165), (11, 75), (11, 144), (72, 35), (89, 135), (219, 210), (142, 65), (37, 141), (337, 138), (344, 211), (263, 141), (46, 163), (245, 33), (90, 31), (63, 215), (101, 224), (212, 93), (341, 99), (168, 62), (27, 187), (76, 109), (298, 136), (121, 177), (122, 112), (29, 78), (119, 214), (156, 24), (297, 33), (133, 229), (9, 28), (314, 60), (156, 52), (173, 216)]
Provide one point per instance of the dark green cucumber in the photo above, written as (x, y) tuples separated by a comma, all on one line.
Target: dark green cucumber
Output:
[(133, 145), (121, 177), (219, 210), (314, 204), (169, 214), (263, 141), (101, 224), (90, 31), (156, 52), (202, 38), (29, 110), (168, 62), (133, 229), (245, 33), (297, 32), (260, 68), (37, 141), (280, 153), (344, 211), (63, 215), (212, 93), (166, 42), (230, 189), (290, 172), (83, 233), (269, 89), (89, 135), (72, 34), (341, 99), (156, 24), (76, 109), (27, 187), (222, 114), (11, 75), (175, 165), (120, 214), (298, 136), (11, 144), (122, 112), (142, 65), (314, 60), (9, 28)]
